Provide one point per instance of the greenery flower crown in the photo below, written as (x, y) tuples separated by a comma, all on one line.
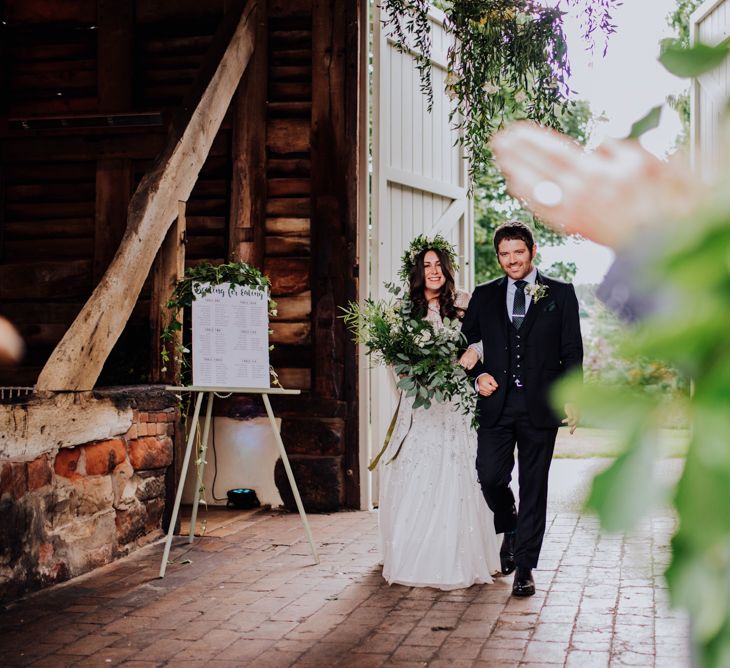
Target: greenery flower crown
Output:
[(423, 243)]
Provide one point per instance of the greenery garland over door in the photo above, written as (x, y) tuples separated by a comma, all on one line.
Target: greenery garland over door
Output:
[(508, 59)]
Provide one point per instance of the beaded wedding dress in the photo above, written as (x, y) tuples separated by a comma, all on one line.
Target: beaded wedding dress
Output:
[(436, 529)]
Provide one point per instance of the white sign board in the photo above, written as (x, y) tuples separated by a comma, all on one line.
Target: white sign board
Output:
[(230, 336)]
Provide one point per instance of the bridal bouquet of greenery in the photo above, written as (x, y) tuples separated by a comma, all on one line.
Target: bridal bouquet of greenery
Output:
[(424, 357)]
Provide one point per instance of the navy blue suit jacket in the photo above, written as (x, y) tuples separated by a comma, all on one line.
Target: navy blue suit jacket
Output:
[(552, 345)]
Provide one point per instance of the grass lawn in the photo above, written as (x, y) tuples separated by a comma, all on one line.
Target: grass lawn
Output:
[(587, 443)]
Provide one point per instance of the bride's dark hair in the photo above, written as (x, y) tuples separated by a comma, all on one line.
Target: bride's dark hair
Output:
[(417, 281)]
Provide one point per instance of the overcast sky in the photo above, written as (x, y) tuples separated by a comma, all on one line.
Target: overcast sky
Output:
[(621, 88)]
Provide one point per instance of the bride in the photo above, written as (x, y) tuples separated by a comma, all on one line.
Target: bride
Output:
[(435, 527)]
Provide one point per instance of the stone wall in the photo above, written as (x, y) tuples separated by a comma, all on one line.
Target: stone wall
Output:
[(82, 481)]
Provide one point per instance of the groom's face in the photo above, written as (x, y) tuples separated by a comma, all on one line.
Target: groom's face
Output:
[(515, 258)]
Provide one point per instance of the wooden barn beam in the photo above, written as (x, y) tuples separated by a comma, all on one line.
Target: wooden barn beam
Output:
[(167, 270), (78, 359), (248, 182), (335, 146), (331, 269), (114, 177), (115, 59)]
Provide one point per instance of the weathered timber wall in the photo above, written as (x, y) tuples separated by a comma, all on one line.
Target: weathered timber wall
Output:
[(280, 186), (65, 187)]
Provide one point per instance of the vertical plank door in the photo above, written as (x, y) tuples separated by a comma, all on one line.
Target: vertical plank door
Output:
[(419, 181), (709, 24)]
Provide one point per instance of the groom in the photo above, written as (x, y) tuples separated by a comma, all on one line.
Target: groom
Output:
[(530, 330)]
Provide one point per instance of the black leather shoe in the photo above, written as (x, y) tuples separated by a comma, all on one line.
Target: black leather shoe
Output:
[(523, 585), (507, 552)]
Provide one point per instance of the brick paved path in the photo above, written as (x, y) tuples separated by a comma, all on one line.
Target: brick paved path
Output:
[(250, 596)]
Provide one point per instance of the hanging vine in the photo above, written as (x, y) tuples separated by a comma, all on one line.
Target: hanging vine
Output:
[(508, 59)]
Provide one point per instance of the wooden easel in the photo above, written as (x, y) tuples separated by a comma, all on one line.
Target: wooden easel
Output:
[(211, 391)]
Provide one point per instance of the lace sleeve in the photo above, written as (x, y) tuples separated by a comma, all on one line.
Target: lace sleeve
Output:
[(461, 301), (478, 348)]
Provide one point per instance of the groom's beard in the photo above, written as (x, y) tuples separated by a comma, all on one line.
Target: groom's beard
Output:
[(518, 271)]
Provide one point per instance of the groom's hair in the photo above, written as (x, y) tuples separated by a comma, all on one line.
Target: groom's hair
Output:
[(514, 229)]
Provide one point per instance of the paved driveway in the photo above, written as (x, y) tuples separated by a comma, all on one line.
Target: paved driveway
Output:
[(248, 594)]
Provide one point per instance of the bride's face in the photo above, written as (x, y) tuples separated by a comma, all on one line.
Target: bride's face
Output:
[(435, 278)]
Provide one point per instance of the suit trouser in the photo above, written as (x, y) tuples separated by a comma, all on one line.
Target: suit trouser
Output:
[(495, 461)]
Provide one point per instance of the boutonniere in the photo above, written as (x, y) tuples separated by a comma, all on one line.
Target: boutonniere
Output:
[(536, 291)]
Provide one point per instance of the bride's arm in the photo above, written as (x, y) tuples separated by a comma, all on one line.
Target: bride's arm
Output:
[(475, 352), (478, 348)]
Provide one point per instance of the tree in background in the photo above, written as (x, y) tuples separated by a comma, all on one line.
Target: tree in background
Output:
[(679, 20), (493, 205)]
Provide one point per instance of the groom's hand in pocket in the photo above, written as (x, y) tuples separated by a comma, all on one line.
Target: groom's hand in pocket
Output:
[(571, 410), (486, 384)]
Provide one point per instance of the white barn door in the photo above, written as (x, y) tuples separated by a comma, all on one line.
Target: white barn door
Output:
[(419, 181), (710, 24)]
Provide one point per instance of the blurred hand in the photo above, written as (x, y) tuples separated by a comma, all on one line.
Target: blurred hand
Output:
[(469, 358), (486, 384), (571, 410), (11, 345), (603, 195)]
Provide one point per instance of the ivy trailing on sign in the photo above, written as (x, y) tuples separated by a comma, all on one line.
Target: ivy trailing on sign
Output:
[(235, 274)]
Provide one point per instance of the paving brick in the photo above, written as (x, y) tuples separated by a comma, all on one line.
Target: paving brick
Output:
[(552, 632), (460, 648), (364, 660), (88, 645), (243, 650), (493, 655), (163, 649), (580, 659), (110, 656), (274, 658), (592, 640), (414, 653), (378, 643), (251, 596), (546, 652), (473, 629)]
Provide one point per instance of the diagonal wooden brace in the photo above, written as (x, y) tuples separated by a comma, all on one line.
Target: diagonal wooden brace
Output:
[(78, 359)]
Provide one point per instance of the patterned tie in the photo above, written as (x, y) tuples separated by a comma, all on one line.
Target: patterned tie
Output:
[(518, 307)]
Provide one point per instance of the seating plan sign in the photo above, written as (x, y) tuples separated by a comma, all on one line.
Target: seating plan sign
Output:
[(230, 336)]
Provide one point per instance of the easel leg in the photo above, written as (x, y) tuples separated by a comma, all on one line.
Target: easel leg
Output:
[(181, 484), (201, 465), (290, 475)]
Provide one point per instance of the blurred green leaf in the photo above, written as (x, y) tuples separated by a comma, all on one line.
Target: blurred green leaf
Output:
[(625, 492), (698, 574), (611, 407), (648, 122), (692, 62)]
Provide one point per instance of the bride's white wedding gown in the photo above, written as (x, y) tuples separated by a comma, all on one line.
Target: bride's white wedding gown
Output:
[(436, 529)]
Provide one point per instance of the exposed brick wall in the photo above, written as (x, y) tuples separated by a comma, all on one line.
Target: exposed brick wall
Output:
[(72, 510)]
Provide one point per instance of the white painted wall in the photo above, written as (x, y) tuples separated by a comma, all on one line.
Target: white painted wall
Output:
[(710, 24)]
